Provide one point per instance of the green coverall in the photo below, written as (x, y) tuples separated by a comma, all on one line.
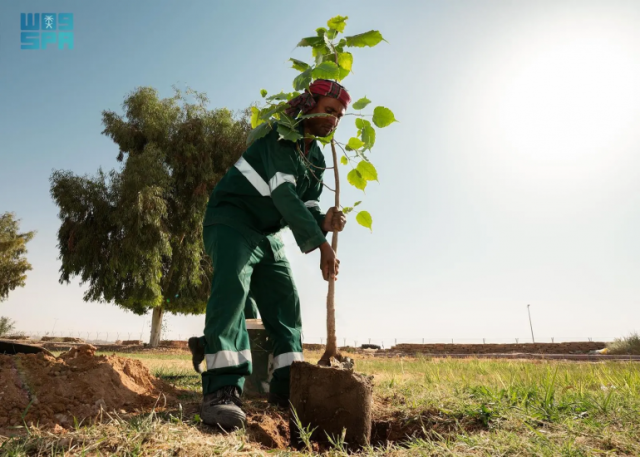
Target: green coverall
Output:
[(272, 186)]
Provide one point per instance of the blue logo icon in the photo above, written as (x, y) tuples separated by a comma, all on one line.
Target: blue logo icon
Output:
[(39, 30)]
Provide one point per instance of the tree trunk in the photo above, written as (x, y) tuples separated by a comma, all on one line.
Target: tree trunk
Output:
[(331, 349), (156, 327)]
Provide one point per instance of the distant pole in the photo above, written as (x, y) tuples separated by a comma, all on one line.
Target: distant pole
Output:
[(530, 324), (54, 324)]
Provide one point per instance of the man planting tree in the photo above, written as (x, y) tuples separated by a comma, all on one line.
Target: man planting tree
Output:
[(276, 183)]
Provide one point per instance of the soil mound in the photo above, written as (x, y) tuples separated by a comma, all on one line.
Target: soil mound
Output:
[(46, 390)]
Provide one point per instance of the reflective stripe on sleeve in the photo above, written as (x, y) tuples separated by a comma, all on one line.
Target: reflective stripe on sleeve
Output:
[(312, 204), (281, 178), (223, 359), (286, 359), (253, 177)]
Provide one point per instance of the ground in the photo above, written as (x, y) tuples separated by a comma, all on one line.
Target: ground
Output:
[(459, 407)]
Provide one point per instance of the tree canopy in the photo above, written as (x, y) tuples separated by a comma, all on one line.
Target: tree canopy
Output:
[(134, 235), (13, 248)]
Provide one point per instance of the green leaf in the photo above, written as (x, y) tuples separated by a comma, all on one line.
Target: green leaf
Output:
[(383, 117), (311, 41), (325, 140), (344, 160), (347, 210), (366, 132), (364, 218), (337, 23), (326, 70), (343, 74), (355, 179), (356, 204), (263, 92), (287, 121), (302, 81), (370, 38), (364, 101), (299, 64), (255, 117), (367, 171), (308, 116), (354, 143), (345, 60), (288, 133), (319, 52), (280, 96), (272, 110), (257, 133), (331, 34), (368, 136), (327, 42), (321, 31)]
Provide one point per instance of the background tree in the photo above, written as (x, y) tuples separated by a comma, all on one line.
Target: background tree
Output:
[(6, 326), (13, 247), (135, 235)]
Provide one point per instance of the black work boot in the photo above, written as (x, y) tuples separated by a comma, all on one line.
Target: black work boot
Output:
[(222, 408), (197, 353)]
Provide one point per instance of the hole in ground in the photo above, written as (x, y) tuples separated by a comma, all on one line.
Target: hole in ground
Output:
[(270, 427), (398, 426)]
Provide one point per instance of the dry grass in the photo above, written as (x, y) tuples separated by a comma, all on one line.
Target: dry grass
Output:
[(458, 407), (629, 345)]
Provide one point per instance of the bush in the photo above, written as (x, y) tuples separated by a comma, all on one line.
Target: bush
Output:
[(629, 345), (6, 326)]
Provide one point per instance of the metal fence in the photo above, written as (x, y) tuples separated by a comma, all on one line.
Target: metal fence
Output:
[(384, 342)]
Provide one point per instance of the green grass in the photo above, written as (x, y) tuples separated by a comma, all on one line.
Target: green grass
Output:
[(629, 345), (457, 407)]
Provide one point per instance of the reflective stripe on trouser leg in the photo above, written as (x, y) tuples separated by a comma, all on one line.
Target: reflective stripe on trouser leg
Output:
[(227, 341), (224, 359), (286, 359), (277, 298)]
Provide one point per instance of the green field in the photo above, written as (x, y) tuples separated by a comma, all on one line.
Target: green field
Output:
[(426, 407)]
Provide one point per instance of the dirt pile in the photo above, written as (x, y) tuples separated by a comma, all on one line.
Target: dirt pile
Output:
[(65, 339), (45, 390), (537, 348)]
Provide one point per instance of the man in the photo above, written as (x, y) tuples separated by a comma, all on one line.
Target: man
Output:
[(275, 184)]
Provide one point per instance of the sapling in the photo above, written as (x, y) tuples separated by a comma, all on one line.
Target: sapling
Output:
[(330, 61)]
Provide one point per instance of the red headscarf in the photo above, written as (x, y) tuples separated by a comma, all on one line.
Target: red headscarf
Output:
[(305, 102)]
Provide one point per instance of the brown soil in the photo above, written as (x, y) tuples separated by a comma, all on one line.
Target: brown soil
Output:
[(395, 426), (269, 428), (47, 391), (332, 399)]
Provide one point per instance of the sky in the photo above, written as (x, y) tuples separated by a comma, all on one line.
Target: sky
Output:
[(511, 179)]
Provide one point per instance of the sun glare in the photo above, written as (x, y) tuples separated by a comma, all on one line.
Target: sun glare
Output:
[(570, 97)]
